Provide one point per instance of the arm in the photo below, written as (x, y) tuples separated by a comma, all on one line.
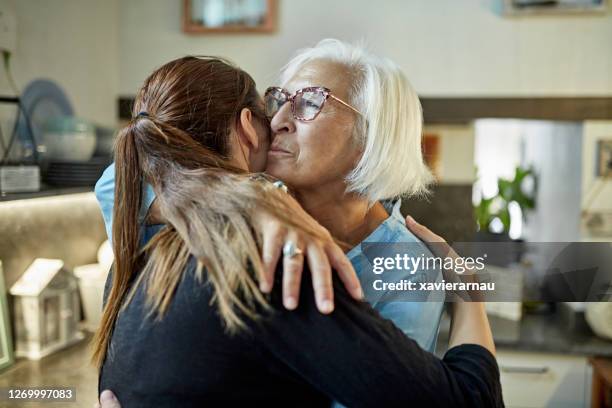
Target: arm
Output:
[(470, 325), (469, 322), (359, 359), (321, 254)]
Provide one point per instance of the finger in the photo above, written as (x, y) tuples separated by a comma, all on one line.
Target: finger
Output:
[(436, 244), (292, 274), (421, 231), (320, 270), (273, 237), (108, 400), (344, 268)]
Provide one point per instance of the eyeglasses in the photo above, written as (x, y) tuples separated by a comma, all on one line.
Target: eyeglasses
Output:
[(306, 103)]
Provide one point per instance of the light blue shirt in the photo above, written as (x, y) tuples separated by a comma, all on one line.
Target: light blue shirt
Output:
[(105, 193), (418, 320)]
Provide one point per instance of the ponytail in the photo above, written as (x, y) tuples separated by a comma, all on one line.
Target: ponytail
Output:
[(126, 233)]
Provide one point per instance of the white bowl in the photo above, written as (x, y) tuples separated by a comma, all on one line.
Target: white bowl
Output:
[(68, 139)]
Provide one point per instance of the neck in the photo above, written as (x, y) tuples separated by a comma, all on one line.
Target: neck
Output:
[(346, 216)]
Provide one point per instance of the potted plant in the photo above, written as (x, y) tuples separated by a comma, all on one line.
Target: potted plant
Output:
[(521, 190)]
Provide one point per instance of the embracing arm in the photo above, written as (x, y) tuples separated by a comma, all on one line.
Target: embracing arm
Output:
[(321, 253), (469, 322), (360, 359)]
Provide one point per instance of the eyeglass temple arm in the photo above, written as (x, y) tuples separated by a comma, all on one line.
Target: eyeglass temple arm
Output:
[(345, 104)]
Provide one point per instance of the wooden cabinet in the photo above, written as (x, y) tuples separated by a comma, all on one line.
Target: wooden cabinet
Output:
[(601, 395)]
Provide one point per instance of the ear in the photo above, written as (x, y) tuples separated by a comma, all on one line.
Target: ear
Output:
[(246, 129)]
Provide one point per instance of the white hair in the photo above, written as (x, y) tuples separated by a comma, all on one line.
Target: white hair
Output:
[(390, 130)]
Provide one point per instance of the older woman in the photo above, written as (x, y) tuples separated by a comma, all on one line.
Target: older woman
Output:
[(347, 134)]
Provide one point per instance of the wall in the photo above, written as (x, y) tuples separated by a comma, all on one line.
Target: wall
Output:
[(97, 50), (456, 152), (555, 150), (73, 42), (447, 47)]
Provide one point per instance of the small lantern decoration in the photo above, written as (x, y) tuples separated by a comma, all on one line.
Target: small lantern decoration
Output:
[(46, 307)]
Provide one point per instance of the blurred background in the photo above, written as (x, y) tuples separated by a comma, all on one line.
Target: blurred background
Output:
[(517, 101)]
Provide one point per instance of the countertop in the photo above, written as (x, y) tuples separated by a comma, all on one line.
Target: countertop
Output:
[(45, 191), (538, 333)]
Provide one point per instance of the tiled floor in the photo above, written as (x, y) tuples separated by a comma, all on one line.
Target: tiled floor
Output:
[(66, 368)]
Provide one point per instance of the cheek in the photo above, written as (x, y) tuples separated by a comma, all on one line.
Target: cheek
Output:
[(326, 156)]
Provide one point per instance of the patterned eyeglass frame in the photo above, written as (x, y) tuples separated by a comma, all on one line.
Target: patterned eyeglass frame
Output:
[(326, 95)]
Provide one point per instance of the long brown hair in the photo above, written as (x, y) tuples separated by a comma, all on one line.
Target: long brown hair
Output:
[(178, 142)]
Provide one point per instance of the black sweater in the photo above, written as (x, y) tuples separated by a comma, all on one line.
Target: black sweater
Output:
[(286, 358)]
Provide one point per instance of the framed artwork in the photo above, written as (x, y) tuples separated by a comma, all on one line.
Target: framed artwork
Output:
[(431, 153), (604, 158), (229, 16), (7, 356), (539, 7)]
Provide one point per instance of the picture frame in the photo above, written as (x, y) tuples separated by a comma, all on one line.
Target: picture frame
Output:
[(7, 354), (553, 7), (229, 16), (431, 153), (604, 158)]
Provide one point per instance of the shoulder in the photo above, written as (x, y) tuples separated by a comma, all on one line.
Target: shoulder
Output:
[(394, 227), (398, 233), (105, 186)]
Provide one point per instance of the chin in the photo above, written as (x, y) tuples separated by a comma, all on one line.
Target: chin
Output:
[(274, 170), (279, 171)]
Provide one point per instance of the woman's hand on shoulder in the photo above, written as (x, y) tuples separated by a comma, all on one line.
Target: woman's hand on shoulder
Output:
[(322, 254)]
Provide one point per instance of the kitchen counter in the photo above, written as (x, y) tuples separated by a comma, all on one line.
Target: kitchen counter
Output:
[(538, 333), (69, 367), (45, 191)]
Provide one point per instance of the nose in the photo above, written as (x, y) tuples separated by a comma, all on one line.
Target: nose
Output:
[(282, 121)]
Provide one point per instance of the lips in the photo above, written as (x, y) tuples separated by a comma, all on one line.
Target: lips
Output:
[(278, 150)]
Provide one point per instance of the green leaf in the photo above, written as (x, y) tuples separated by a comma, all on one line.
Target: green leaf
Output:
[(483, 214), (504, 217)]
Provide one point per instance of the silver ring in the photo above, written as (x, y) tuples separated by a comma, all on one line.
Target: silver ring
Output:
[(290, 250), (280, 185)]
